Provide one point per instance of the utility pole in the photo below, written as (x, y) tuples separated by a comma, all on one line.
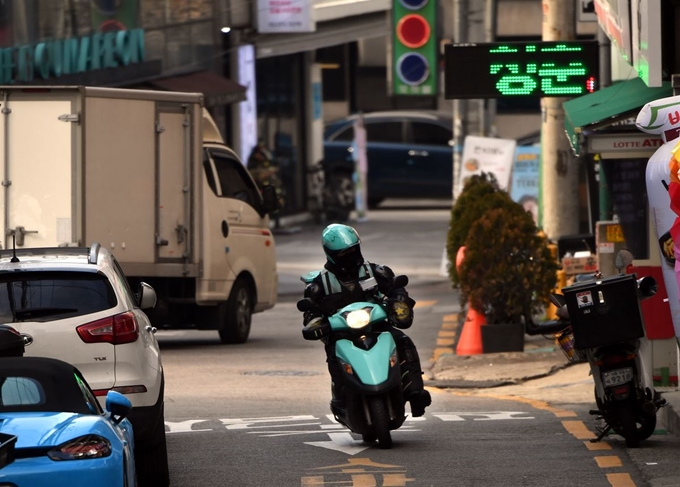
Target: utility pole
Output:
[(559, 170), (460, 107)]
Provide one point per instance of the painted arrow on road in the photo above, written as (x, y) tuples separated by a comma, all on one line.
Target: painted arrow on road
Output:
[(341, 442)]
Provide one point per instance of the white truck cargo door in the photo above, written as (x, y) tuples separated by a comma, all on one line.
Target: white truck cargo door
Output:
[(174, 185), (38, 170)]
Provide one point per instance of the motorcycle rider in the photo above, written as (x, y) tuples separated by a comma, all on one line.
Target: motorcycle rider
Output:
[(339, 284)]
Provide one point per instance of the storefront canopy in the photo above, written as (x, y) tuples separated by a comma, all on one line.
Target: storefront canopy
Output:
[(217, 89), (608, 105)]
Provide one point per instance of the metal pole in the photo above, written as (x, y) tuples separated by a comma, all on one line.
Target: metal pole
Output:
[(460, 107), (605, 205), (489, 128), (559, 170)]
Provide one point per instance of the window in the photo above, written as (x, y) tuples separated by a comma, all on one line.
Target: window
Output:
[(20, 391), (49, 296), (430, 134), (123, 281), (384, 132), (234, 180), (345, 135)]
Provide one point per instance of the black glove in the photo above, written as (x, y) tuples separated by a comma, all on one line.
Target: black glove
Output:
[(316, 329), (400, 311)]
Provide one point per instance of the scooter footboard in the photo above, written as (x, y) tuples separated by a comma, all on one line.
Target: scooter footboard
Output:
[(377, 367)]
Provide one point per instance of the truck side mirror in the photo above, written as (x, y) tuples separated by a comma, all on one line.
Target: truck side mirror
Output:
[(270, 199)]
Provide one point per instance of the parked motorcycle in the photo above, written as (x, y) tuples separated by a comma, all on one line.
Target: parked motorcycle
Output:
[(373, 402), (603, 325)]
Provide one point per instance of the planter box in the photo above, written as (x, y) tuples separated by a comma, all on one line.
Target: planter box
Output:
[(503, 338)]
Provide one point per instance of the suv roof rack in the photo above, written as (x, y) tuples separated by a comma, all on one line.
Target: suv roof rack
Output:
[(94, 253)]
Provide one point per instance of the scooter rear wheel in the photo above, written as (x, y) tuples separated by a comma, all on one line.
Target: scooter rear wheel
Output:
[(381, 421), (628, 426), (645, 424)]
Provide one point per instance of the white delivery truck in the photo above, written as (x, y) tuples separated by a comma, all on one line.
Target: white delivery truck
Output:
[(147, 175)]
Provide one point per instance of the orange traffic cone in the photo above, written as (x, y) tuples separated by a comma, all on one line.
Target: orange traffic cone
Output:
[(470, 342)]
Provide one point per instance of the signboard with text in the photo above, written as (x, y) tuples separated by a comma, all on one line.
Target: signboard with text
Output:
[(280, 16), (486, 154), (516, 69)]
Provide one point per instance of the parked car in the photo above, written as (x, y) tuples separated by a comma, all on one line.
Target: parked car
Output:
[(409, 153), (75, 304), (54, 432)]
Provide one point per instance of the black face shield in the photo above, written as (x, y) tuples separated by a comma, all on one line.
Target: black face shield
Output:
[(349, 259)]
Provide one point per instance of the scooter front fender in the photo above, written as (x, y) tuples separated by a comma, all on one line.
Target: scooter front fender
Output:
[(371, 367)]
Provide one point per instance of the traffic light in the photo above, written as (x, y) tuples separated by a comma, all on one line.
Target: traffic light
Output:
[(414, 47)]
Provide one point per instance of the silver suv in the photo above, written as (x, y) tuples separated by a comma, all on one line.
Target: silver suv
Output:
[(75, 304)]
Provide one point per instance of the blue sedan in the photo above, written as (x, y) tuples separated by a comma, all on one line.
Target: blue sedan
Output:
[(63, 437)]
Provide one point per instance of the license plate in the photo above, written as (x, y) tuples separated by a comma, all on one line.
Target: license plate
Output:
[(617, 377)]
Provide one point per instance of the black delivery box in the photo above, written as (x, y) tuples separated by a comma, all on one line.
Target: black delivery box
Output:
[(604, 311)]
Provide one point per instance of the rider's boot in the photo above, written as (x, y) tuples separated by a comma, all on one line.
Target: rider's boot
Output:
[(412, 379)]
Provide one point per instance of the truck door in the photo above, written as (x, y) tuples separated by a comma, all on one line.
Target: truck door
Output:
[(248, 243), (36, 204), (174, 179)]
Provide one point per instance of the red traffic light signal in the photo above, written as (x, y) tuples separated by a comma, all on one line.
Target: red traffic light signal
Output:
[(413, 31)]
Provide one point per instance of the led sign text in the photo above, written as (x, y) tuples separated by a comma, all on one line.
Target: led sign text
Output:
[(497, 70)]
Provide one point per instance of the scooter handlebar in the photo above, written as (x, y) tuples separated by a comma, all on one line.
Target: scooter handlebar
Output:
[(546, 328)]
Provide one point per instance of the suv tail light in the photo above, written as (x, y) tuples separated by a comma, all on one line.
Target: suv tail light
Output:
[(117, 330)]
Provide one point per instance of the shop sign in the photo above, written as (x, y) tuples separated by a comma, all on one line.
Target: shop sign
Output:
[(486, 154), (626, 143), (280, 16), (52, 59)]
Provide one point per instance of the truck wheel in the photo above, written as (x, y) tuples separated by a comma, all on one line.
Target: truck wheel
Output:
[(237, 314), (151, 460)]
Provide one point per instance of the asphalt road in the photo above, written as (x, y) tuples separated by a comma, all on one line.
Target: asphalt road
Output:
[(257, 414)]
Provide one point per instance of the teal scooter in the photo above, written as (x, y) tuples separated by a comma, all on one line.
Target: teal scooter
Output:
[(373, 401)]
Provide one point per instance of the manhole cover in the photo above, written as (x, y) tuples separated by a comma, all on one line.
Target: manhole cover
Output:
[(281, 372)]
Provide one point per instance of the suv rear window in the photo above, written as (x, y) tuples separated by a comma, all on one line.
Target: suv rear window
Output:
[(48, 296)]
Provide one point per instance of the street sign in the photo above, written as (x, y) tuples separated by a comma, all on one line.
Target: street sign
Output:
[(414, 47), (521, 69)]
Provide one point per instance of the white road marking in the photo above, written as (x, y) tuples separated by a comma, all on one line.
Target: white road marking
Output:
[(343, 442), (492, 416), (261, 426)]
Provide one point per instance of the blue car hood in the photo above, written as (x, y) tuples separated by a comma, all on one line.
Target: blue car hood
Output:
[(38, 429)]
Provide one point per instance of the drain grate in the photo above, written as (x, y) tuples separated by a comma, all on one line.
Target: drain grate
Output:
[(281, 372)]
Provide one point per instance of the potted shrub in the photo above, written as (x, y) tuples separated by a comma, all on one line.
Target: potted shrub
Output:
[(480, 193), (507, 274)]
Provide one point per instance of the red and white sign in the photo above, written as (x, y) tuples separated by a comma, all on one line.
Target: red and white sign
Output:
[(623, 143), (280, 16)]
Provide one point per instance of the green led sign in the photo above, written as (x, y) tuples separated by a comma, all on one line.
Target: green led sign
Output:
[(515, 69)]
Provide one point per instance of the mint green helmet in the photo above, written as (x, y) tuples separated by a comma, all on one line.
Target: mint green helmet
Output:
[(341, 244)]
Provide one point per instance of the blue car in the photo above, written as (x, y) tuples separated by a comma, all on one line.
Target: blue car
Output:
[(63, 437), (409, 154)]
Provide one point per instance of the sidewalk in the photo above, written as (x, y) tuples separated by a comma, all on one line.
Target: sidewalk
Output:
[(540, 373)]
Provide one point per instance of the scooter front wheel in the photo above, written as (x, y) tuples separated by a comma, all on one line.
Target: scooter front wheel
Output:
[(380, 420)]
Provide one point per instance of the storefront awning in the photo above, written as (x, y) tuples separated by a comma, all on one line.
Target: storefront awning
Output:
[(608, 105), (217, 89)]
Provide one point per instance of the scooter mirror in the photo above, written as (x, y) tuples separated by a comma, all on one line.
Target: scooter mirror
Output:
[(400, 281), (647, 286), (623, 259), (305, 304), (558, 300)]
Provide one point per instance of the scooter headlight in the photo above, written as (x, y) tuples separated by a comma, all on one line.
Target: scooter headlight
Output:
[(358, 319)]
